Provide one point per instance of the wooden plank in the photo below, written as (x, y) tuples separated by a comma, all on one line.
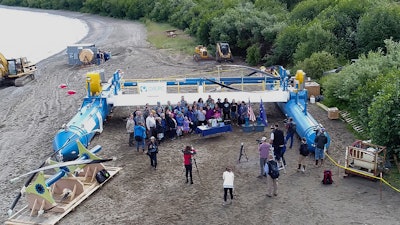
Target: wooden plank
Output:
[(23, 217), (324, 107)]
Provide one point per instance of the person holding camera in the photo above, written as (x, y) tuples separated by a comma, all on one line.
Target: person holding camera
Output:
[(152, 150), (188, 152), (228, 176), (263, 148)]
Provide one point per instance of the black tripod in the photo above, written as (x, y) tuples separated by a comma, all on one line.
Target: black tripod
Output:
[(242, 152), (195, 164)]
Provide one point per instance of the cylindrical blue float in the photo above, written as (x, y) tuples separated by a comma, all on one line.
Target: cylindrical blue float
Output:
[(306, 125), (83, 126)]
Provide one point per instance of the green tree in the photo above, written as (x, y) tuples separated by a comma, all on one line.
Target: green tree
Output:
[(306, 11), (271, 6), (162, 10), (285, 45), (378, 24), (137, 9), (317, 64), (182, 16), (253, 56), (290, 3), (92, 6), (341, 19), (358, 87), (314, 38), (384, 113)]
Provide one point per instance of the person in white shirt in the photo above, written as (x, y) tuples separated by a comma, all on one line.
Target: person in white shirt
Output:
[(151, 124), (228, 177)]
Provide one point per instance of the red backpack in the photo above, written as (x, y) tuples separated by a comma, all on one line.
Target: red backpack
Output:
[(327, 177)]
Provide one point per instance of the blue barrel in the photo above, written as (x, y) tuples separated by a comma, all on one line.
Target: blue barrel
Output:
[(306, 125), (83, 126)]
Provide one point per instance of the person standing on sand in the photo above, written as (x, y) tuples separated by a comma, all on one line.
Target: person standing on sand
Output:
[(130, 124), (188, 152), (228, 176), (320, 141), (290, 131), (272, 183), (152, 150), (263, 148), (303, 154), (151, 124), (140, 135), (278, 142)]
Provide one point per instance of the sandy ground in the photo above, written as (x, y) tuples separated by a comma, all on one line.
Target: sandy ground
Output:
[(31, 115)]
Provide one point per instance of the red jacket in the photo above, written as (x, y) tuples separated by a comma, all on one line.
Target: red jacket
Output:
[(187, 157)]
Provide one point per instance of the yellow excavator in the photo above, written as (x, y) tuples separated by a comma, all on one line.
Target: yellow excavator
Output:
[(201, 53), (16, 71)]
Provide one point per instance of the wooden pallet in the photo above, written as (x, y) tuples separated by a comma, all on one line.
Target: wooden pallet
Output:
[(23, 217), (346, 117)]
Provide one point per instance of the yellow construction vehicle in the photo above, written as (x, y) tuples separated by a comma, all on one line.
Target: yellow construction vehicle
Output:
[(201, 53), (223, 52), (18, 71)]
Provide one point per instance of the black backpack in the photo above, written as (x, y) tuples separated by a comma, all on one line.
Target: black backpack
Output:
[(327, 177), (273, 169), (102, 176)]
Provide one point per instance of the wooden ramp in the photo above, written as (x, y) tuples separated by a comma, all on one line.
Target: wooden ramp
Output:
[(24, 217)]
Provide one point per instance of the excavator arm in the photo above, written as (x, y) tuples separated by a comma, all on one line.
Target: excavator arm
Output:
[(17, 71), (3, 67)]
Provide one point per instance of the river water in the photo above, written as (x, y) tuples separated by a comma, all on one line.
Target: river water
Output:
[(37, 35)]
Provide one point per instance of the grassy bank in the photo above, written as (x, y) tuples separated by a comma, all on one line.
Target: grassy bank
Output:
[(157, 36)]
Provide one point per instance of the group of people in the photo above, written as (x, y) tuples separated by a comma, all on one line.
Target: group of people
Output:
[(171, 121), (272, 152), (161, 122)]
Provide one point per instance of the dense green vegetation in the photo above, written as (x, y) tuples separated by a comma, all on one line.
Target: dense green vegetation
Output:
[(312, 35)]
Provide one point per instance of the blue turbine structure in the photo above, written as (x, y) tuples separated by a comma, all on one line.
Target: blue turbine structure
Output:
[(102, 97)]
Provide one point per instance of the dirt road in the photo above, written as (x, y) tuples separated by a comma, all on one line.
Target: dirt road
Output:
[(31, 116)]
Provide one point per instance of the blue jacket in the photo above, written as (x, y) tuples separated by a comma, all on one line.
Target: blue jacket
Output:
[(140, 131), (179, 121)]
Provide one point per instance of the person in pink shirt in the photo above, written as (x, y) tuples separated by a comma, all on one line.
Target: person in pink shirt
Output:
[(264, 148)]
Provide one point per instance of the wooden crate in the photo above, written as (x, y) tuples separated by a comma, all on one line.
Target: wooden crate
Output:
[(364, 159), (25, 217), (333, 113), (313, 88)]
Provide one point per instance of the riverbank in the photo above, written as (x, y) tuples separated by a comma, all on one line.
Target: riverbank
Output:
[(140, 195)]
